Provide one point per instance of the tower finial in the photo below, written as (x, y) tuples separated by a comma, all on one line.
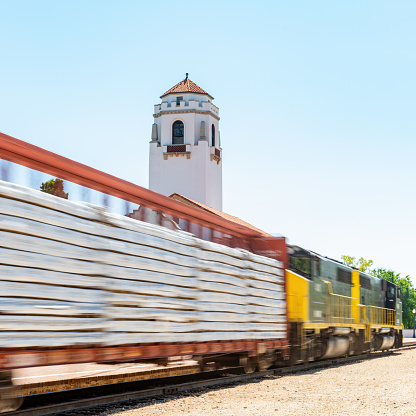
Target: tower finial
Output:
[(186, 76)]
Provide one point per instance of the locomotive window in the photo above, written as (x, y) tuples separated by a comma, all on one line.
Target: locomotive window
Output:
[(365, 282), (302, 265), (317, 267), (390, 292), (344, 276)]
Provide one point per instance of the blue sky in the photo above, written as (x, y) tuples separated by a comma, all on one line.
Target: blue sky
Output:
[(316, 102)]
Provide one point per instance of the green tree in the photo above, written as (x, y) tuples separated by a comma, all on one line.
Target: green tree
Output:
[(361, 264), (54, 187)]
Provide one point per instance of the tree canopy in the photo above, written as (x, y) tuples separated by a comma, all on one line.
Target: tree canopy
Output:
[(408, 292), (54, 187), (361, 264)]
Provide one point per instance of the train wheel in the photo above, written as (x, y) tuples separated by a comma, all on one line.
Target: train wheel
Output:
[(8, 400), (353, 344), (205, 364), (10, 405), (263, 364), (248, 363), (265, 361)]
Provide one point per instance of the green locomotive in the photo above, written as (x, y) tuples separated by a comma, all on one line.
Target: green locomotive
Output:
[(335, 310)]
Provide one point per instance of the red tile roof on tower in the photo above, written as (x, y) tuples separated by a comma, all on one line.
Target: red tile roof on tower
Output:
[(184, 199), (186, 85)]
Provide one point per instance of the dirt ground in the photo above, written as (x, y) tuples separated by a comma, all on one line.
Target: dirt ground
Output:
[(380, 386)]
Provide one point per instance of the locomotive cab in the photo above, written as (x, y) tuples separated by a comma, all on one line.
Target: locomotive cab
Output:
[(391, 291)]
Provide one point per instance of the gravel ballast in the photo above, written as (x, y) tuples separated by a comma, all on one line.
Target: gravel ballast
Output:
[(380, 386)]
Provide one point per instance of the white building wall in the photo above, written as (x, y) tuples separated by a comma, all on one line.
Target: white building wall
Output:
[(196, 174)]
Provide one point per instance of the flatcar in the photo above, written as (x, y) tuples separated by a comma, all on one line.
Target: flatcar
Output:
[(335, 310), (79, 284), (82, 285)]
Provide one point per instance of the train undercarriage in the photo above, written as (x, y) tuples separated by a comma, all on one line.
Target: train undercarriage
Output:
[(310, 344), (307, 345)]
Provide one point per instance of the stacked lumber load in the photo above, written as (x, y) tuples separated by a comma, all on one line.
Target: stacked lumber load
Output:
[(150, 276), (241, 294), (74, 274), (52, 291)]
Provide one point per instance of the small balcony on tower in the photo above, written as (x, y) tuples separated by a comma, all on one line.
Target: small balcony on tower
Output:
[(177, 150), (215, 154)]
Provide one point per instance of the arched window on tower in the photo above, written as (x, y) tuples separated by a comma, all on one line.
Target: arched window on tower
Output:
[(213, 135), (177, 133)]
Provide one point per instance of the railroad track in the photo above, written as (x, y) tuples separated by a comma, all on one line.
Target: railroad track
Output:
[(69, 402)]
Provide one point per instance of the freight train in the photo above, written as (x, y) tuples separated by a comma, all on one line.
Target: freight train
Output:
[(79, 284)]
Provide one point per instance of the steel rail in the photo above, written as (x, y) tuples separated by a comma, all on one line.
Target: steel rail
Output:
[(174, 388), (34, 157)]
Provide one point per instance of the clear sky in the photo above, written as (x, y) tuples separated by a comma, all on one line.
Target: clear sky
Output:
[(317, 104)]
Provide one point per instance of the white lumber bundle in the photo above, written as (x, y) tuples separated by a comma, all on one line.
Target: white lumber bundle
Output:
[(38, 307), (144, 263), (151, 314), (151, 289), (221, 297), (215, 306), (223, 317), (37, 245), (123, 338), (141, 275), (50, 339), (260, 318), (51, 323), (221, 278), (273, 303), (215, 267), (47, 262), (279, 309), (127, 299), (51, 292), (48, 277), (269, 294), (205, 286), (74, 274), (38, 229), (259, 284), (265, 264)]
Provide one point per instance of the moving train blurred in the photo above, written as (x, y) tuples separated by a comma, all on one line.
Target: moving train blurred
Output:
[(80, 284)]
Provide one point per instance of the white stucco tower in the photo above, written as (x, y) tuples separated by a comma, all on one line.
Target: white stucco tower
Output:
[(185, 151)]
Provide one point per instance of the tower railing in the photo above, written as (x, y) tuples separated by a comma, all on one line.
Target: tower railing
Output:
[(176, 148)]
